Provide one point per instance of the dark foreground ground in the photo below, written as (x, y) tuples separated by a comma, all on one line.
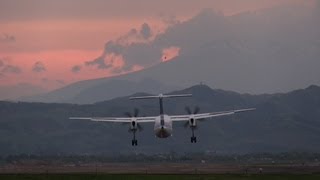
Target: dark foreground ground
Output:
[(167, 171), (161, 168), (155, 177)]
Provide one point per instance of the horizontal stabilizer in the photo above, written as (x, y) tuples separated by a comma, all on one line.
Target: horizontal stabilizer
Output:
[(161, 96)]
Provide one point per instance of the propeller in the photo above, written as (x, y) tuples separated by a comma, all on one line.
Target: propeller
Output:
[(196, 110), (191, 112), (134, 115), (136, 112)]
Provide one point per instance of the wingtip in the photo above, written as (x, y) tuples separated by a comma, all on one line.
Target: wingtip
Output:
[(244, 110)]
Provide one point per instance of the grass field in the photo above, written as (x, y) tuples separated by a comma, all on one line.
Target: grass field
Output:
[(158, 177)]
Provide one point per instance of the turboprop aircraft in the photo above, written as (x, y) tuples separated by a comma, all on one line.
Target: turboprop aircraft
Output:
[(163, 122)]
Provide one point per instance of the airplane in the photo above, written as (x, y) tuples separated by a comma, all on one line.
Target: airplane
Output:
[(163, 122)]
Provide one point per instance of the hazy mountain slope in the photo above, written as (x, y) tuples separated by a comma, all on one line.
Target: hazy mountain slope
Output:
[(91, 91), (117, 88), (19, 90), (65, 93), (282, 122)]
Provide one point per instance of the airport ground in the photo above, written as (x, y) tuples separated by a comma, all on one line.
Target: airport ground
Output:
[(166, 171)]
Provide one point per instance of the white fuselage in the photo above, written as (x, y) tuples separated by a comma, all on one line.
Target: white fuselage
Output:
[(163, 130)]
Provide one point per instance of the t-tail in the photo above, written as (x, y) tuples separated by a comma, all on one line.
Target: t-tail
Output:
[(161, 97)]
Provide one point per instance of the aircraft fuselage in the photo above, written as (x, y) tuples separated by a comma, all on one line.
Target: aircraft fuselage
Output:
[(164, 129)]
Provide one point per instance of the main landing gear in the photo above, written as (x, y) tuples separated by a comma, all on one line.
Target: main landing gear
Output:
[(134, 142), (193, 138)]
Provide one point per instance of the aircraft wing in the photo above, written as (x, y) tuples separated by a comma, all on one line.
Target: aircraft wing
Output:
[(208, 115), (117, 119)]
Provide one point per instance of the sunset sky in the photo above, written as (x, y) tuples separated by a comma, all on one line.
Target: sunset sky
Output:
[(53, 43)]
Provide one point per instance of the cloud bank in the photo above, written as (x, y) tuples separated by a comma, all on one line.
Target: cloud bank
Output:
[(6, 38), (11, 69), (39, 67), (7, 68), (126, 53), (76, 68)]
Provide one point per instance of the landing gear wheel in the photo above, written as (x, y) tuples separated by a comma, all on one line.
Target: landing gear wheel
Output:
[(134, 142), (193, 139)]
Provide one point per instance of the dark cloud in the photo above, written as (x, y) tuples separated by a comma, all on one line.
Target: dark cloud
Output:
[(142, 53), (76, 68), (122, 47), (145, 31), (6, 67), (135, 36), (113, 47), (135, 48), (11, 69), (108, 61), (39, 67), (128, 38), (142, 48), (99, 63), (6, 38)]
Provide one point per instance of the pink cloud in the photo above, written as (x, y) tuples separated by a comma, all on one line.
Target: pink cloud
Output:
[(170, 53), (59, 64)]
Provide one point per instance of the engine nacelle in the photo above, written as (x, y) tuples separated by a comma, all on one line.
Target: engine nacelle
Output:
[(133, 125), (192, 122)]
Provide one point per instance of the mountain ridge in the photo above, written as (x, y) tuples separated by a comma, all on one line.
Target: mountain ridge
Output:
[(282, 122)]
